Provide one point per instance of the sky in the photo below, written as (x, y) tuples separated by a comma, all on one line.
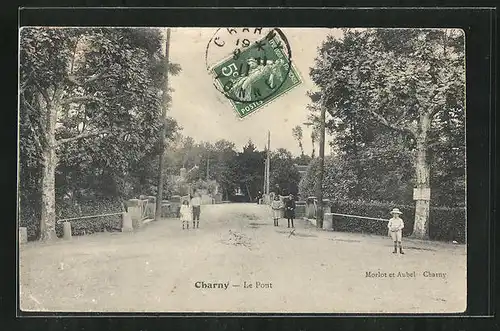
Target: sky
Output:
[(206, 115)]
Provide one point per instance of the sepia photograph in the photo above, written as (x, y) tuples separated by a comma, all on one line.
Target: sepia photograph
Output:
[(241, 170)]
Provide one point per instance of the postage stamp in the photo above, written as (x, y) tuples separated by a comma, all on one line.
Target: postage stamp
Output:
[(257, 73)]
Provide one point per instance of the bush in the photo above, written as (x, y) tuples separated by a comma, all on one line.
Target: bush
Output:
[(29, 217), (445, 223), (448, 223)]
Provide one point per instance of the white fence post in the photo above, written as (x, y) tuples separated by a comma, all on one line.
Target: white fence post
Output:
[(23, 235), (67, 230)]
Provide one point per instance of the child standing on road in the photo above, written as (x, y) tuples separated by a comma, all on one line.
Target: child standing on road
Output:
[(185, 214), (396, 226), (196, 204), (276, 207), (290, 209)]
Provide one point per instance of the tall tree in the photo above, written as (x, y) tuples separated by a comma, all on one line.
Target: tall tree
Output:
[(314, 137), (297, 134), (339, 182), (250, 165), (78, 84), (402, 79), (224, 168), (284, 174)]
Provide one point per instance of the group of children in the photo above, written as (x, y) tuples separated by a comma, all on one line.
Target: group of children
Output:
[(190, 211), (289, 206)]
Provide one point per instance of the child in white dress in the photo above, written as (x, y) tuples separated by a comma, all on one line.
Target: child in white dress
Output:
[(185, 214), (276, 206)]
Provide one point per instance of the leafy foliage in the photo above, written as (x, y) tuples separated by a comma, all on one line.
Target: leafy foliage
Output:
[(250, 165), (284, 174), (339, 180)]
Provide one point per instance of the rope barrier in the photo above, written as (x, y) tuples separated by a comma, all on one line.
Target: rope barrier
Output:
[(364, 217), (83, 217)]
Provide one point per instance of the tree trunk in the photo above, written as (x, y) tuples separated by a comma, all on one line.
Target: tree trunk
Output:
[(50, 160), (48, 215), (313, 149), (249, 194), (422, 171)]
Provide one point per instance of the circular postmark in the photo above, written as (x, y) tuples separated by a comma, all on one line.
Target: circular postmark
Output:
[(249, 65)]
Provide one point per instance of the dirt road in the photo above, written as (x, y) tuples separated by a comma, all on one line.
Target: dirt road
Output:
[(162, 268)]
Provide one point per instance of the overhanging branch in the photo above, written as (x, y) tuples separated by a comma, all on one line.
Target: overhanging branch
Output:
[(35, 135), (42, 129), (81, 99), (44, 93), (382, 120), (436, 143), (32, 128), (80, 136), (81, 82)]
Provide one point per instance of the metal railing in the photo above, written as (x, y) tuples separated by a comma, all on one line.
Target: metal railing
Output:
[(89, 216), (363, 217)]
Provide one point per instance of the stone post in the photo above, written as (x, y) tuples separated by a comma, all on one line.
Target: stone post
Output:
[(67, 230), (151, 207), (326, 206), (328, 221), (310, 208), (23, 235), (135, 212), (126, 222)]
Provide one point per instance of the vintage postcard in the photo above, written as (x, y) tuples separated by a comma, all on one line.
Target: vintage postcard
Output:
[(242, 170)]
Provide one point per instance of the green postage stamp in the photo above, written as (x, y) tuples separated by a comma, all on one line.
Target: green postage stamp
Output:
[(255, 75)]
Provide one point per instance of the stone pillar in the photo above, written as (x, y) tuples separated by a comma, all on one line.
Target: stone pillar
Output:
[(23, 235), (310, 208), (328, 221), (165, 209), (326, 206), (67, 230), (151, 207), (135, 212), (300, 210), (126, 222)]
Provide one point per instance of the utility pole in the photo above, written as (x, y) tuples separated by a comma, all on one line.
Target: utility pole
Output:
[(159, 195), (265, 173), (208, 168), (319, 188), (268, 161)]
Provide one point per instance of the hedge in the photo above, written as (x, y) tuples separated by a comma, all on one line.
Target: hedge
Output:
[(445, 224), (87, 208), (29, 217)]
